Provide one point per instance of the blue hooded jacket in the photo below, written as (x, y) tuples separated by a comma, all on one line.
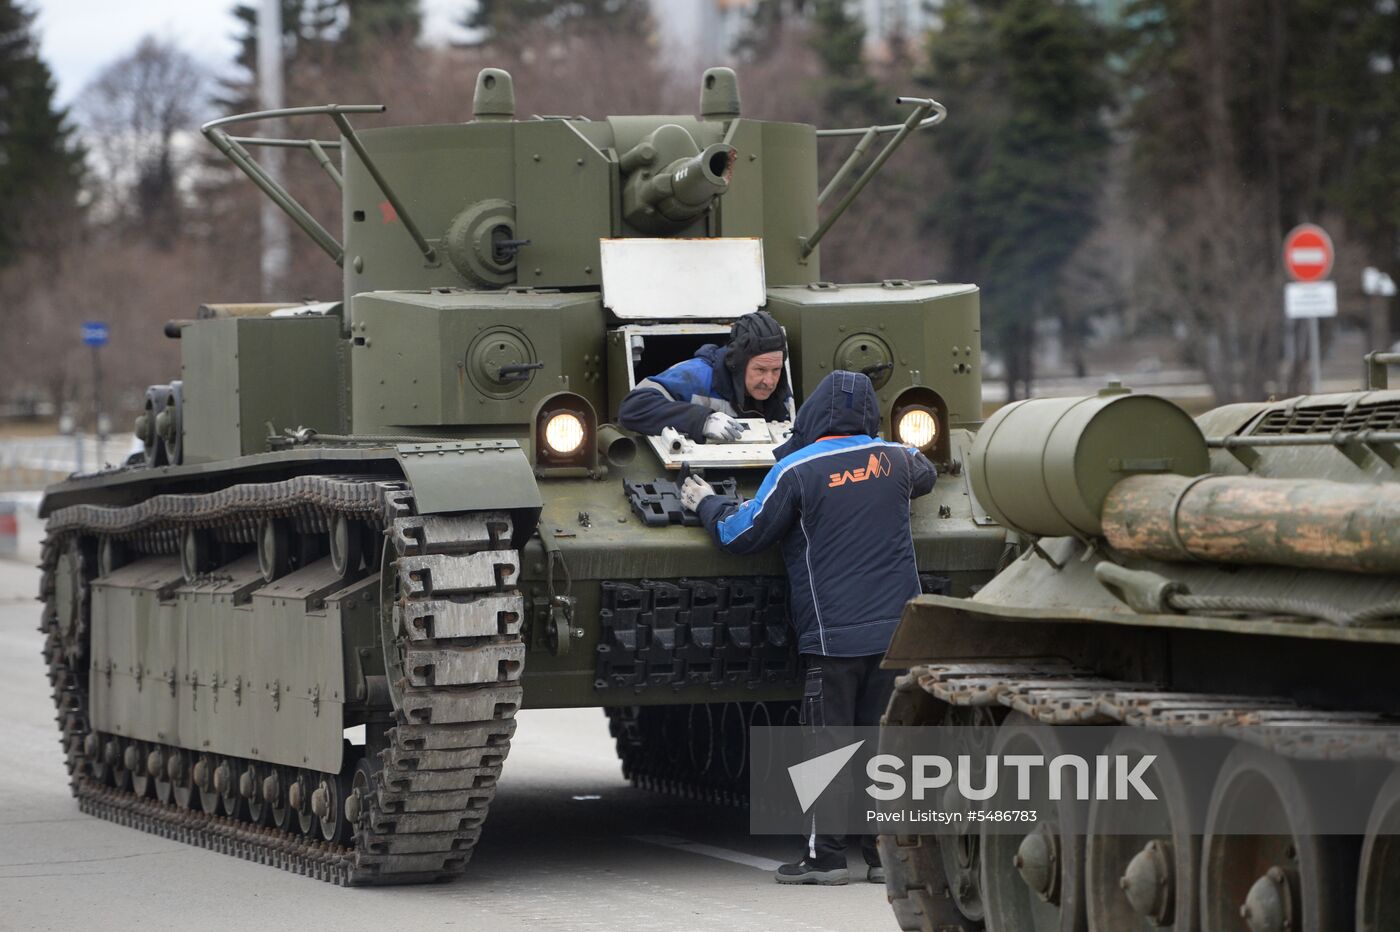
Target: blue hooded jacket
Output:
[(838, 499), (690, 391)]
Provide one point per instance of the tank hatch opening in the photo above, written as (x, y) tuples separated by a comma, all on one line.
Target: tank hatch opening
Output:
[(654, 348)]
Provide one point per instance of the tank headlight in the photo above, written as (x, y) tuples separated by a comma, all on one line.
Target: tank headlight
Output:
[(564, 433), (918, 427)]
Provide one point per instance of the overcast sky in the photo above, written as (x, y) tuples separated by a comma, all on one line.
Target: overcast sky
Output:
[(78, 37)]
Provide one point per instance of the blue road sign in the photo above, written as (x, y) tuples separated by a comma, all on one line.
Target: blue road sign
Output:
[(95, 333)]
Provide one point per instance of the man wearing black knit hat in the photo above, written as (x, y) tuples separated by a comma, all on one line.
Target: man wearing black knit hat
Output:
[(705, 396)]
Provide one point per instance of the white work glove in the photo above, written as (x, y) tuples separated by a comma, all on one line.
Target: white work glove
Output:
[(722, 428), (694, 490)]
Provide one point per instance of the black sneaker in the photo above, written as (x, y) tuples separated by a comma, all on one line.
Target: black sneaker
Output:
[(826, 873), (875, 873)]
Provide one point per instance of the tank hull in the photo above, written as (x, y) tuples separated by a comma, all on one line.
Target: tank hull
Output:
[(1279, 660)]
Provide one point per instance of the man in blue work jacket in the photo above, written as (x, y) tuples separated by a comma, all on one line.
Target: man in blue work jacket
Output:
[(704, 396), (838, 500)]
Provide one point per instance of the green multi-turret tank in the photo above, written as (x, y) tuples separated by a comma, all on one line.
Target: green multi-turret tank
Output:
[(365, 532)]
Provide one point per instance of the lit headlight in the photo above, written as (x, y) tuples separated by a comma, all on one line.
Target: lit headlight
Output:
[(917, 427), (564, 433)]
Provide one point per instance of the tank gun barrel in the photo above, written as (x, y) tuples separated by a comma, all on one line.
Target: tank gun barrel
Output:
[(1307, 523), (671, 181)]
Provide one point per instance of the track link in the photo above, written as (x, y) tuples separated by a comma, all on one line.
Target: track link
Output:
[(451, 617)]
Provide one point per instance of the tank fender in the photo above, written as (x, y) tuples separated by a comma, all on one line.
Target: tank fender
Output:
[(473, 475)]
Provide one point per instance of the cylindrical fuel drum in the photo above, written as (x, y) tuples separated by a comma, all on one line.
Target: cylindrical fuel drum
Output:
[(1309, 523), (1043, 466)]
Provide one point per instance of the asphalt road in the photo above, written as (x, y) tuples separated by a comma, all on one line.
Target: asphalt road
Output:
[(568, 845)]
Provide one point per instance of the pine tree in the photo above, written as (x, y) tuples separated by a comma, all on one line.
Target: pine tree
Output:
[(389, 20), (1027, 89), (328, 27), (494, 20), (41, 165), (850, 94)]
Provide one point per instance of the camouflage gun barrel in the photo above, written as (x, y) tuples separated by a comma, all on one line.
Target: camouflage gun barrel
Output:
[(1308, 523)]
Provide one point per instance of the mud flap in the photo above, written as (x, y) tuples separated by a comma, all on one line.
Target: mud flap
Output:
[(473, 475)]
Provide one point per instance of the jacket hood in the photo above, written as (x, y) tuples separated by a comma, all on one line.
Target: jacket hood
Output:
[(842, 403)]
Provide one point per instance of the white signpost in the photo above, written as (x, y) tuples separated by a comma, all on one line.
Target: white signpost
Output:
[(1308, 257)]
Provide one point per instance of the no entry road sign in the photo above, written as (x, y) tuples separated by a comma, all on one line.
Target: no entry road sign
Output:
[(1307, 253)]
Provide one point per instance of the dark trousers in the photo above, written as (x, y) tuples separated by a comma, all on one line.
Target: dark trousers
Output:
[(844, 691)]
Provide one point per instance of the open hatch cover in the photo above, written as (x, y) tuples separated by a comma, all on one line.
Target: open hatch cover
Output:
[(683, 279)]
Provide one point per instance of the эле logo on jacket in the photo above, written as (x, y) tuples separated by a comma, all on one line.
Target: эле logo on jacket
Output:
[(878, 466)]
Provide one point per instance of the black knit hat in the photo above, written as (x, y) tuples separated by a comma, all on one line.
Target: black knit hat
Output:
[(753, 335)]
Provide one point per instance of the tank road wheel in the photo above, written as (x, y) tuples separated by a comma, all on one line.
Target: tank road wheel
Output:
[(1292, 881), (158, 766), (734, 745), (196, 552), (328, 806), (250, 782), (961, 846), (347, 546), (760, 768), (138, 756), (177, 768), (202, 776), (115, 750), (299, 798), (111, 555), (1378, 890), (274, 794), (226, 784), (1140, 879), (274, 548), (675, 739), (95, 752), (1032, 876), (357, 797), (700, 739)]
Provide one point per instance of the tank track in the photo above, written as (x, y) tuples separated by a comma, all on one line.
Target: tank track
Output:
[(414, 810), (1053, 692), (698, 752)]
